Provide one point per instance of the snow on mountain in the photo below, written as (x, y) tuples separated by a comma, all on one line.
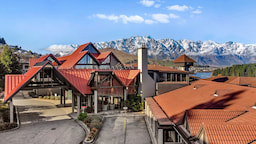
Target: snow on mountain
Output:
[(171, 48), (206, 53)]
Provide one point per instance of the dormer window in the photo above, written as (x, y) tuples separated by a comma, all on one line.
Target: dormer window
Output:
[(91, 49)]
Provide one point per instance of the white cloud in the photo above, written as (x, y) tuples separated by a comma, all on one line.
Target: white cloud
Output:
[(147, 3), (179, 7), (148, 21), (132, 19), (173, 16), (61, 49), (197, 11), (157, 5), (108, 17), (162, 18)]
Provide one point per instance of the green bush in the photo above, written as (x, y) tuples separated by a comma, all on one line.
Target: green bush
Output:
[(40, 97), (52, 97), (82, 116), (134, 102), (47, 97)]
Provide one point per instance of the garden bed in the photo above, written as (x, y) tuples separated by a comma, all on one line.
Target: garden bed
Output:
[(94, 124), (5, 117)]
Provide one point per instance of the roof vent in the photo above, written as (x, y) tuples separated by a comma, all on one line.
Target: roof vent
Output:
[(197, 86), (216, 93)]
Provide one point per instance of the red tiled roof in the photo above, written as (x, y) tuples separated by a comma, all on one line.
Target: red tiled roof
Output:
[(126, 76), (72, 60), (14, 83), (157, 112), (183, 58), (33, 61), (177, 101), (102, 56), (196, 117), (251, 81), (230, 133), (62, 59), (78, 78)]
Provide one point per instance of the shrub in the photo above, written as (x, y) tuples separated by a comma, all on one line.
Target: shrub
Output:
[(52, 97), (40, 97), (47, 97), (82, 116), (95, 125), (6, 126)]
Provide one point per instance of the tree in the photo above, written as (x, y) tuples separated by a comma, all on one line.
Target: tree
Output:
[(10, 61)]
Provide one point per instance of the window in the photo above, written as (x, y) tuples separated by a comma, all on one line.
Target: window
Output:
[(86, 67), (106, 61), (86, 60), (90, 48), (50, 59)]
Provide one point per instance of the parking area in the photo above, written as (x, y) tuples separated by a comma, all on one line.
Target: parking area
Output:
[(124, 130)]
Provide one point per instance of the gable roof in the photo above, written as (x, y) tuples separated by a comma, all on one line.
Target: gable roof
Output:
[(73, 59), (15, 83), (33, 61), (236, 98), (102, 56), (126, 76), (78, 78), (184, 58)]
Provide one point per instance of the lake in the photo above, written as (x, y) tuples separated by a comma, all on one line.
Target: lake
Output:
[(202, 75)]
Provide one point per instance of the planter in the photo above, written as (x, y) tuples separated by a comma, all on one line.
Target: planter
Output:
[(112, 106), (105, 107)]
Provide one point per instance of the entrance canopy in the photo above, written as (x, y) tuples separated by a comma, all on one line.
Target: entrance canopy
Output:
[(41, 75)]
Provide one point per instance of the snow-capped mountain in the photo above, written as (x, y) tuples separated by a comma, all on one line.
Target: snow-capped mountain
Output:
[(205, 53)]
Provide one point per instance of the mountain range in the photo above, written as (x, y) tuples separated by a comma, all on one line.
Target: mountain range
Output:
[(205, 53)]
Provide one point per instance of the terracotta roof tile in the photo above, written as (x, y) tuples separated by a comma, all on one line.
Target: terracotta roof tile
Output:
[(33, 61), (78, 78), (14, 83), (102, 56), (72, 60), (126, 76), (238, 98), (196, 117), (230, 133), (157, 112), (250, 81), (183, 58)]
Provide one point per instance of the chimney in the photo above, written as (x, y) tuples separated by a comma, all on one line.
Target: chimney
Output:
[(147, 84), (143, 59)]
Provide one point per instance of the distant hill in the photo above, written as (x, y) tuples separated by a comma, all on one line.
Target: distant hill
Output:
[(247, 70), (127, 58)]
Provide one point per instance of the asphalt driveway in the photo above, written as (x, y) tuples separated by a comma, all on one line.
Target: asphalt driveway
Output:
[(124, 130), (43, 123)]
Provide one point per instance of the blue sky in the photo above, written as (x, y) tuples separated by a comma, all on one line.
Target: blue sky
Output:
[(37, 24)]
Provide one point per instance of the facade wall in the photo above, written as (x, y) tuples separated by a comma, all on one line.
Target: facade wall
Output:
[(163, 87)]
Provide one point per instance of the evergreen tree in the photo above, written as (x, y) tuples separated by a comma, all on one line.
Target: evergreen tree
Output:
[(10, 61)]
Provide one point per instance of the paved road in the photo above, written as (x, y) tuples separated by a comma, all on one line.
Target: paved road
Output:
[(49, 132), (114, 131), (43, 123)]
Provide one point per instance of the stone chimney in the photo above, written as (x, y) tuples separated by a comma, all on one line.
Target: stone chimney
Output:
[(147, 84)]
